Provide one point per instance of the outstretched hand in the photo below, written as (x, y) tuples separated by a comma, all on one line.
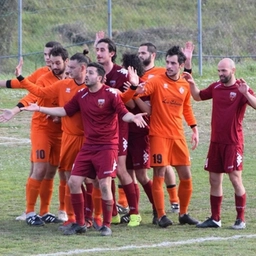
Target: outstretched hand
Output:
[(99, 35), (139, 120), (242, 86), (133, 77), (18, 69), (189, 78), (32, 107), (188, 49), (7, 114)]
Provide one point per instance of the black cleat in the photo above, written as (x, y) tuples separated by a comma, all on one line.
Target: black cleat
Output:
[(74, 229), (164, 222), (186, 219), (51, 218), (209, 223), (35, 220), (105, 231), (125, 218)]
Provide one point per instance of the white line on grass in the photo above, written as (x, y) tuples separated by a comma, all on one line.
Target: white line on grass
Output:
[(146, 246), (11, 141)]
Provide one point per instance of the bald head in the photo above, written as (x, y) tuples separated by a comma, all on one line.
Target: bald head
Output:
[(226, 70), (227, 62)]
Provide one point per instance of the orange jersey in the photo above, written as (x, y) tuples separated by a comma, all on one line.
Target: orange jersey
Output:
[(170, 101), (14, 83), (63, 90), (39, 120), (153, 72)]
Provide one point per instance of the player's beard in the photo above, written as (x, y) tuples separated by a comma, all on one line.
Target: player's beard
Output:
[(147, 61), (225, 79), (58, 72)]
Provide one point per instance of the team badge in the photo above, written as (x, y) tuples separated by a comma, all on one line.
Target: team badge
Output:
[(112, 83), (232, 96), (68, 90), (101, 102), (181, 90), (165, 86)]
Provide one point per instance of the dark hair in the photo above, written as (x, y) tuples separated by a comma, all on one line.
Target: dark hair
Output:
[(132, 59), (59, 51), (52, 44), (151, 47), (80, 58), (175, 50), (111, 46), (99, 67), (85, 52)]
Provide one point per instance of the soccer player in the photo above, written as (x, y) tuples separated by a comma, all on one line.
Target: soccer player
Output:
[(170, 101), (138, 161), (147, 53), (14, 83), (230, 96), (116, 76), (45, 142), (72, 127), (98, 105)]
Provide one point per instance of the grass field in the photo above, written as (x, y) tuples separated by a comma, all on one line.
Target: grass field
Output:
[(17, 238)]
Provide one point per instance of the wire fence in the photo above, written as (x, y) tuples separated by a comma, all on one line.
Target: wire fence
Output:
[(228, 27)]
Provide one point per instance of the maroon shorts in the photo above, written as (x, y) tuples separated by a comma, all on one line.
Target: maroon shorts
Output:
[(224, 158), (138, 152), (98, 163)]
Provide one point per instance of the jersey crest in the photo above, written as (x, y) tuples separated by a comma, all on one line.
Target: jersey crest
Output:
[(181, 90), (232, 95), (101, 102)]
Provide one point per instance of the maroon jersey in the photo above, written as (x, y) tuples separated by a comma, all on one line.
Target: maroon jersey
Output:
[(116, 77), (98, 111), (228, 108)]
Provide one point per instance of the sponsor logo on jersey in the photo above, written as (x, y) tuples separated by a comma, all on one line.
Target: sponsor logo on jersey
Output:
[(68, 90), (165, 86)]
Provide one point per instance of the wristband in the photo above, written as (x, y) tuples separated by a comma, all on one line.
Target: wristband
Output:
[(20, 78), (188, 70), (133, 87), (192, 126)]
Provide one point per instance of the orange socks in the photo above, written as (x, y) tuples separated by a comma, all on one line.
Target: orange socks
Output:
[(122, 200), (62, 188), (45, 192), (185, 193), (158, 195), (173, 194), (32, 190), (96, 197)]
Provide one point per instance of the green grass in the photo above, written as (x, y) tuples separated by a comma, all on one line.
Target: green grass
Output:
[(17, 238)]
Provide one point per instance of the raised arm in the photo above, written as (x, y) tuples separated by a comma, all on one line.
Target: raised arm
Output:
[(188, 51), (194, 90)]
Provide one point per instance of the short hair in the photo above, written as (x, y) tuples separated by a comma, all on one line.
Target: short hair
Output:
[(100, 69), (59, 51), (151, 47), (111, 46), (80, 58), (52, 44), (132, 59), (175, 50)]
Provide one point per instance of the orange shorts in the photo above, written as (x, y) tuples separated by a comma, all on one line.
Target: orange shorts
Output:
[(70, 146), (45, 147), (165, 152)]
